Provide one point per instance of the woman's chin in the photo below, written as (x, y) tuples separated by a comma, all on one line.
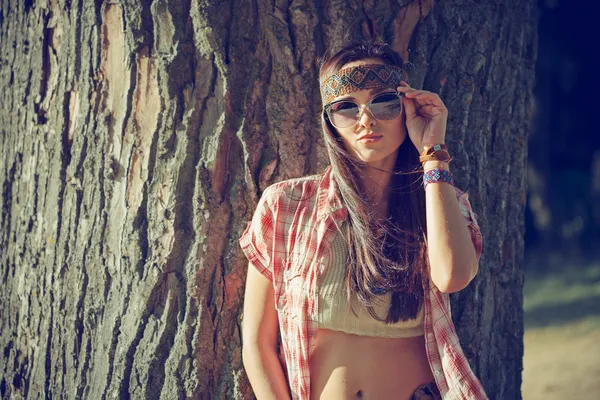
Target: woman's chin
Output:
[(378, 158)]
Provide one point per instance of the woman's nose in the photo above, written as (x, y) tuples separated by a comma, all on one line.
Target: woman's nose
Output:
[(366, 119)]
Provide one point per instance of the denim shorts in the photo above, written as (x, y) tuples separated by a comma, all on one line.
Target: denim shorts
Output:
[(428, 391)]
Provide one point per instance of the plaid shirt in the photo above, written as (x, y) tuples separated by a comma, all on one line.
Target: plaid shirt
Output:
[(288, 242)]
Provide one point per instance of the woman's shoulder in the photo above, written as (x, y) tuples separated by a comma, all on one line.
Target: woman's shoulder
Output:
[(298, 189)]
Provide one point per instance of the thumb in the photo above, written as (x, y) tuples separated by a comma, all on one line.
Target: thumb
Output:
[(409, 108)]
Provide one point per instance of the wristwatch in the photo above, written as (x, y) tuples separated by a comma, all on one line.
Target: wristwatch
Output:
[(438, 152)]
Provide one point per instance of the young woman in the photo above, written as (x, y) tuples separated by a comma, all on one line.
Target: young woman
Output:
[(352, 267)]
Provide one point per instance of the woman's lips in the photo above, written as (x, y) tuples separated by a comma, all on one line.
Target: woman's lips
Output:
[(370, 139)]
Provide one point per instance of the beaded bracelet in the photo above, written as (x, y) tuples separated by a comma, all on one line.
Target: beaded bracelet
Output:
[(437, 175)]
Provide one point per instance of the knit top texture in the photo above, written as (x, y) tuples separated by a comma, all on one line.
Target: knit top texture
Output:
[(335, 313)]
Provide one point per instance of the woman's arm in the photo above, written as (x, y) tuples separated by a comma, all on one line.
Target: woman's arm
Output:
[(452, 257), (259, 337)]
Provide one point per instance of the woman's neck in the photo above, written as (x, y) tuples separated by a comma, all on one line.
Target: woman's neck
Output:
[(376, 183)]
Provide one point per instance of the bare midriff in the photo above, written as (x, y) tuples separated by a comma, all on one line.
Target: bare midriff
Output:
[(346, 366)]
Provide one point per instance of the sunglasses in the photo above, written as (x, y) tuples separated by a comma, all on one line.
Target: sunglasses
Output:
[(345, 113)]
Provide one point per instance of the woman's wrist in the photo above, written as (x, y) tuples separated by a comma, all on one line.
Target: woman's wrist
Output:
[(436, 164)]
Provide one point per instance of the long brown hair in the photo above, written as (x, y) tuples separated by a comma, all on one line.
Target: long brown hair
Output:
[(394, 260)]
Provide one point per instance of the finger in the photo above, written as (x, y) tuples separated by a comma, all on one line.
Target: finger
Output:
[(427, 95), (409, 107), (414, 93), (405, 89), (429, 106), (429, 98), (429, 110)]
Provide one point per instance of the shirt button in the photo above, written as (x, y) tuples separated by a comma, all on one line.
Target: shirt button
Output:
[(430, 336), (436, 371)]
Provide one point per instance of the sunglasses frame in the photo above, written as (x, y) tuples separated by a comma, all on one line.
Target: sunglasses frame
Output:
[(327, 108)]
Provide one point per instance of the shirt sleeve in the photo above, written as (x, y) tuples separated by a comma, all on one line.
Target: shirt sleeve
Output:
[(471, 221), (257, 239)]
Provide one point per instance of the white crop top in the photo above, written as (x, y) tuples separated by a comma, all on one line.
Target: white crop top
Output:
[(335, 313)]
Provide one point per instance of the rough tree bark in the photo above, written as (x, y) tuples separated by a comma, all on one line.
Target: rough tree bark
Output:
[(136, 138)]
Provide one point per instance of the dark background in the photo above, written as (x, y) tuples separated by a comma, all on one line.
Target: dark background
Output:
[(563, 208), (562, 220)]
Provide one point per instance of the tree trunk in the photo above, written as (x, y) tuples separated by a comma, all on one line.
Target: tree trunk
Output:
[(136, 140)]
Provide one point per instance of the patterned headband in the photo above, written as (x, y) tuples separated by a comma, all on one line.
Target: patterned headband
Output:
[(366, 76)]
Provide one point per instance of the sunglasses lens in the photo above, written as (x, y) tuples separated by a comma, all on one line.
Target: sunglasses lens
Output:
[(343, 114), (386, 106)]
